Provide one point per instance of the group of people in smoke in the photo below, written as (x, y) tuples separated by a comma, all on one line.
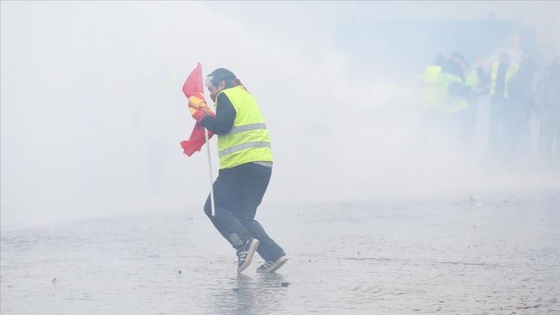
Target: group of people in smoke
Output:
[(452, 91)]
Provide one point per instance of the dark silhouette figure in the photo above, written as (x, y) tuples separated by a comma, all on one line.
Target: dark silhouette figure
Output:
[(520, 107), (549, 114)]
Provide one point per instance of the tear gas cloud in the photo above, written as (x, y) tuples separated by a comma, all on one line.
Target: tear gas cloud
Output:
[(92, 110)]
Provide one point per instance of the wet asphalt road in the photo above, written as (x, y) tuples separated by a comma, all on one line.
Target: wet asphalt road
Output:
[(489, 256)]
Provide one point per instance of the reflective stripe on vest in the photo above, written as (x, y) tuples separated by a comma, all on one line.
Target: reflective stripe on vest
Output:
[(248, 127), (243, 146), (248, 140)]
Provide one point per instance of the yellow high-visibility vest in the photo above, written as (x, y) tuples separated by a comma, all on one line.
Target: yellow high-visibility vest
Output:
[(511, 70), (473, 80), (451, 104), (248, 140)]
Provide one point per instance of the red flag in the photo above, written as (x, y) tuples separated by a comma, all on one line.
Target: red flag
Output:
[(196, 140), (194, 84), (193, 88)]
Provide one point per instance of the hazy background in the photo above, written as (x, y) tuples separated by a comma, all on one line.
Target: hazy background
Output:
[(92, 111)]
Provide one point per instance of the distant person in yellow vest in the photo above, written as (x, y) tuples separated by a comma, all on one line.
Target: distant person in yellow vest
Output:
[(501, 72), (432, 85), (467, 91), (432, 91), (454, 103), (245, 156)]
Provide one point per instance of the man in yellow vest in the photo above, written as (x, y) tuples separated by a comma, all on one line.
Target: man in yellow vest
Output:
[(500, 73), (245, 169), (432, 90), (432, 86), (453, 104)]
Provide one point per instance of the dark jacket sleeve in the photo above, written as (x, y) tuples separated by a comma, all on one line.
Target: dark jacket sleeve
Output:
[(225, 115)]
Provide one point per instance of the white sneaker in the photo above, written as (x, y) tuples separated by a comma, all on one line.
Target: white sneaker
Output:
[(272, 266), (245, 254)]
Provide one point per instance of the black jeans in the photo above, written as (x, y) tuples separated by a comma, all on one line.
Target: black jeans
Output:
[(238, 191)]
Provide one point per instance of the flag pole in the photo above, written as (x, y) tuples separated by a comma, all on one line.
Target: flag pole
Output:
[(213, 207)]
